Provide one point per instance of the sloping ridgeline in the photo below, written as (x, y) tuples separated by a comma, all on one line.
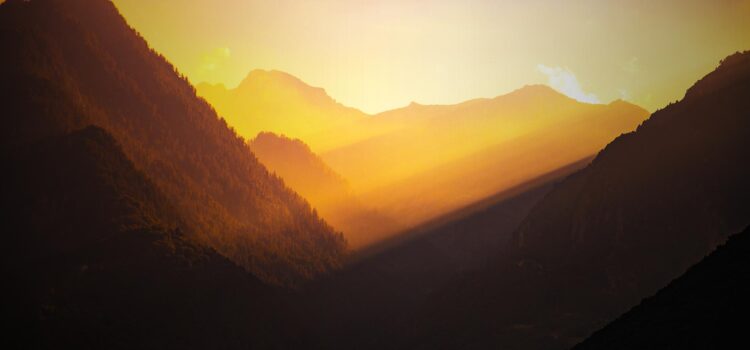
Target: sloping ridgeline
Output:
[(703, 309), (91, 260), (70, 64), (651, 204)]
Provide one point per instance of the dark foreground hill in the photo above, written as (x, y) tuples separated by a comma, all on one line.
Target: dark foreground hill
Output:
[(73, 63), (92, 258), (655, 201), (705, 308)]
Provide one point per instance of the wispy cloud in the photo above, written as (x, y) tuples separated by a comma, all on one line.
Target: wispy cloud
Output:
[(564, 81)]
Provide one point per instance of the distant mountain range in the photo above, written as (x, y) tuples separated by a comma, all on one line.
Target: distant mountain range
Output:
[(274, 101), (419, 162), (452, 156)]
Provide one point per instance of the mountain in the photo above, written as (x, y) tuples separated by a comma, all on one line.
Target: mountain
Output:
[(419, 162), (277, 102), (329, 193), (72, 64), (94, 258), (372, 301), (300, 168), (662, 196), (428, 137), (440, 158), (650, 205), (700, 309)]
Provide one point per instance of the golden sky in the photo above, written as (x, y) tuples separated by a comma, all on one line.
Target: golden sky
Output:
[(379, 55)]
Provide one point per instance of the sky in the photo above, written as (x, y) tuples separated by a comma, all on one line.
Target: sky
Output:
[(380, 55)]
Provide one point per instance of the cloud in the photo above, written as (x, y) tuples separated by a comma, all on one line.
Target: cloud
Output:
[(564, 81)]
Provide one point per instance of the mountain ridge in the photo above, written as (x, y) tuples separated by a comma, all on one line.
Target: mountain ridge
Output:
[(97, 258), (699, 309), (486, 145), (652, 203), (668, 157), (327, 191), (103, 73)]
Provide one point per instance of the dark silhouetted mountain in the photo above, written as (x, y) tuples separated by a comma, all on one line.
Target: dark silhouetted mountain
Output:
[(69, 64), (329, 193), (655, 201), (703, 309), (93, 258), (650, 205)]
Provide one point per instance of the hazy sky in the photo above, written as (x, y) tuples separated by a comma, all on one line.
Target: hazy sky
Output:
[(378, 55)]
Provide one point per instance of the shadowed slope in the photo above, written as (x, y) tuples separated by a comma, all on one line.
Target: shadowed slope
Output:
[(68, 64), (655, 201), (702, 309), (651, 204), (92, 259), (372, 302)]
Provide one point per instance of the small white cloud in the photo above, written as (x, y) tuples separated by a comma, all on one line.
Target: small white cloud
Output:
[(564, 81)]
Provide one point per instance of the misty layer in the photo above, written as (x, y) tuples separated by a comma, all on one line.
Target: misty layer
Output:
[(417, 163)]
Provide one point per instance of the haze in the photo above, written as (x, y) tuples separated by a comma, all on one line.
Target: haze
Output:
[(378, 55)]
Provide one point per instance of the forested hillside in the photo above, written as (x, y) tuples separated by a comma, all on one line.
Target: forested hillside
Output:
[(328, 192), (94, 257), (70, 64)]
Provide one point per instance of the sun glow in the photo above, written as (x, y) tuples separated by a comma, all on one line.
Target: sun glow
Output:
[(380, 55), (343, 77)]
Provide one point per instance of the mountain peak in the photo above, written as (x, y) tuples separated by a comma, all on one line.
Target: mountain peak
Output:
[(620, 103), (267, 74), (538, 90), (263, 76), (280, 83), (272, 138)]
